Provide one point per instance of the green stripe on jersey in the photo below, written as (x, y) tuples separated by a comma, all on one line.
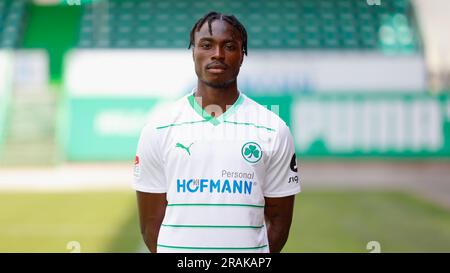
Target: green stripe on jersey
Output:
[(249, 124), (181, 123), (208, 226), (212, 248), (225, 121), (218, 205)]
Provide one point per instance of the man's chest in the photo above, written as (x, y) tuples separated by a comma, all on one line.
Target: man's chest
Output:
[(200, 150)]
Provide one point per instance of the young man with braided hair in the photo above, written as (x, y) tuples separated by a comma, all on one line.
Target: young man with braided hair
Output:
[(216, 172)]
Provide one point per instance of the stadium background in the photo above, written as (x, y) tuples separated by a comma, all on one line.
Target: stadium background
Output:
[(363, 85)]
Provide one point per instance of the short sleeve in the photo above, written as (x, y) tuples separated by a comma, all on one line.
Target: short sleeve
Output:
[(148, 166), (282, 173)]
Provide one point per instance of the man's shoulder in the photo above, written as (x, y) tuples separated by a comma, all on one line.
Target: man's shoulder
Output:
[(264, 114), (166, 113)]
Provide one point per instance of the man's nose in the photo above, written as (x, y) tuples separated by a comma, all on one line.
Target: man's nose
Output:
[(219, 53)]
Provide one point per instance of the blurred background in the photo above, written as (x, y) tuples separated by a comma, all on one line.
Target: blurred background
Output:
[(363, 84)]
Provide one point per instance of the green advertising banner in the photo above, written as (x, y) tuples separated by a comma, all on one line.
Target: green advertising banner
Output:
[(372, 125), (4, 103), (323, 126), (103, 128), (6, 63)]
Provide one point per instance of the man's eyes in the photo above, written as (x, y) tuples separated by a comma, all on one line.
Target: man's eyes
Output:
[(227, 46), (205, 45), (230, 46)]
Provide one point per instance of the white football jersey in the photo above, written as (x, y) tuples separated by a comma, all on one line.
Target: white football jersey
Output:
[(216, 173)]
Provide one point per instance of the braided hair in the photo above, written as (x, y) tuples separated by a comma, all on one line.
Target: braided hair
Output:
[(210, 17)]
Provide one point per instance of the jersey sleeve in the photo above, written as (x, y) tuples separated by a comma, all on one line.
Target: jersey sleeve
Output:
[(282, 173), (148, 166)]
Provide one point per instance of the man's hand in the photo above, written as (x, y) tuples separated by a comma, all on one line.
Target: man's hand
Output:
[(152, 208), (278, 214)]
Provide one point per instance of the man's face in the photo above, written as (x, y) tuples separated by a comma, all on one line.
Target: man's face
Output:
[(217, 57)]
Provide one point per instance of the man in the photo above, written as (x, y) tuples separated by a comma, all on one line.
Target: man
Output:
[(216, 172)]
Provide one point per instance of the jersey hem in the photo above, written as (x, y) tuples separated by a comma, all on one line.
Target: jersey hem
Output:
[(149, 190), (282, 194)]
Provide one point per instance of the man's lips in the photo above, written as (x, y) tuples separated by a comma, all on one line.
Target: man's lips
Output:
[(219, 66), (216, 68)]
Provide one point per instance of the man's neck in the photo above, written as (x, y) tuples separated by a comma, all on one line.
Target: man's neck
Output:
[(211, 97)]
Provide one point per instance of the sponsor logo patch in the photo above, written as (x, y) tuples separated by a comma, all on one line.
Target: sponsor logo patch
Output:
[(136, 170), (251, 152)]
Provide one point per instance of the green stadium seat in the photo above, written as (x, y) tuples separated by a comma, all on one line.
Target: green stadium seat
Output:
[(11, 22), (343, 24)]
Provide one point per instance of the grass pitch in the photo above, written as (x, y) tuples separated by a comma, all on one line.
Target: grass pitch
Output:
[(323, 222)]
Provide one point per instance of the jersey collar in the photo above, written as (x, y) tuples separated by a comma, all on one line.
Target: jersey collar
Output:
[(215, 121)]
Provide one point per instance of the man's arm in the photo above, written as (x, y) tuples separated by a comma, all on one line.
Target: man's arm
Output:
[(278, 214), (152, 208)]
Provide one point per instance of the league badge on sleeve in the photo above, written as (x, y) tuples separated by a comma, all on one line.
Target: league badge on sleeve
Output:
[(136, 167)]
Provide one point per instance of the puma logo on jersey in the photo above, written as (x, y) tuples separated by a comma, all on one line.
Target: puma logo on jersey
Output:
[(179, 145)]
